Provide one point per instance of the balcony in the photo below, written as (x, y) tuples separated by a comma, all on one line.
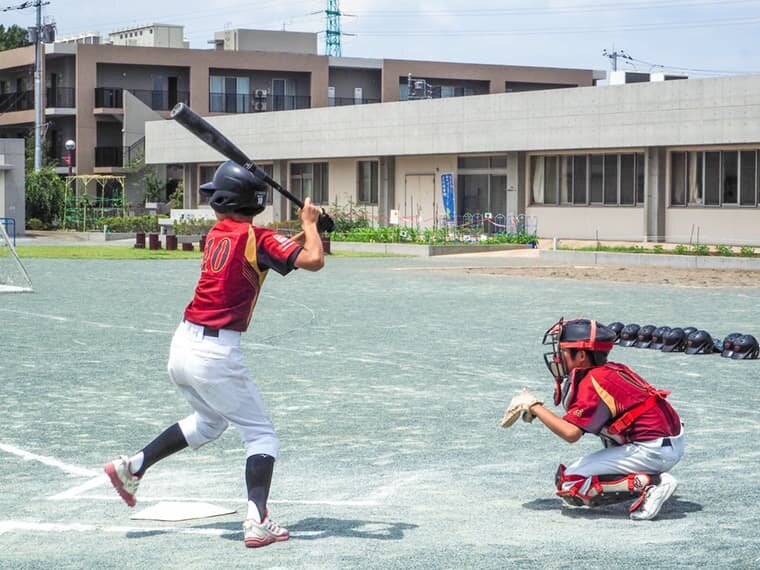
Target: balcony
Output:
[(342, 101), (17, 101), (61, 97), (119, 156), (112, 98), (240, 103)]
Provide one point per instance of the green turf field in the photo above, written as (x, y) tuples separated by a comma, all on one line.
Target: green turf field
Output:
[(386, 382)]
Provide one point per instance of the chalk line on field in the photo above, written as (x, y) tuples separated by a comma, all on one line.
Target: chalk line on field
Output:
[(50, 461)]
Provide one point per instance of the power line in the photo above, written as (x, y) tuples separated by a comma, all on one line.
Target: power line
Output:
[(577, 8), (555, 31)]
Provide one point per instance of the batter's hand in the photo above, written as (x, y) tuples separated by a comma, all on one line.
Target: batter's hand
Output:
[(309, 214)]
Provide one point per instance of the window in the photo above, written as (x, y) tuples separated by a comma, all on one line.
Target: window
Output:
[(309, 179), (748, 178), (482, 185), (610, 179), (730, 175), (714, 178), (229, 94), (366, 181), (205, 174), (582, 179), (596, 178)]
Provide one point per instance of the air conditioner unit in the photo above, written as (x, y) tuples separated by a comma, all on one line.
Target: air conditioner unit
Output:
[(260, 105), (260, 94)]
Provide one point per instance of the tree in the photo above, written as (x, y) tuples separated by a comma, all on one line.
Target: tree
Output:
[(44, 196), (13, 37)]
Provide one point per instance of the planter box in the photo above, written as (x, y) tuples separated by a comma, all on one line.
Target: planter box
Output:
[(416, 250), (653, 259)]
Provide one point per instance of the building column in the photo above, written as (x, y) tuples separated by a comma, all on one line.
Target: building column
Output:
[(279, 202), (190, 186), (515, 183), (386, 191), (654, 194)]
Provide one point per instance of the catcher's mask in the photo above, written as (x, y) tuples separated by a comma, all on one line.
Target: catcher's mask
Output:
[(581, 334)]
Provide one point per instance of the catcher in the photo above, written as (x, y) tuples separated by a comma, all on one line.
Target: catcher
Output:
[(641, 432)]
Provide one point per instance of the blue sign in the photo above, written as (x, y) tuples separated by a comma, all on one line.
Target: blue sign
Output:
[(447, 189)]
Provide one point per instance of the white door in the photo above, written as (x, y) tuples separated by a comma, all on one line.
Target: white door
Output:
[(358, 95)]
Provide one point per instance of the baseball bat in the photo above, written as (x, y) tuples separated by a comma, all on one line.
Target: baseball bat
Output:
[(213, 137)]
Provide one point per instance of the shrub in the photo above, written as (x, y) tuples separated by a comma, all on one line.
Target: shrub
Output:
[(680, 249), (44, 196), (701, 249), (724, 250), (747, 251), (35, 224), (658, 249)]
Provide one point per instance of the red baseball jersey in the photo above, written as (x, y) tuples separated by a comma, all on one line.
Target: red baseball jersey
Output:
[(236, 260), (607, 393)]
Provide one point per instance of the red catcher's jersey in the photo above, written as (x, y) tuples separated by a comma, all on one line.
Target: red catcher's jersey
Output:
[(607, 392), (236, 260)]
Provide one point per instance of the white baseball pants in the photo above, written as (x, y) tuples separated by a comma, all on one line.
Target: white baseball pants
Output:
[(212, 376)]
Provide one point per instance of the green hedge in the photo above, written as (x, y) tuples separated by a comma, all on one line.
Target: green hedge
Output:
[(396, 234)]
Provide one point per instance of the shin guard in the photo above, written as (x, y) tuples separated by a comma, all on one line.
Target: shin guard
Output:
[(598, 490)]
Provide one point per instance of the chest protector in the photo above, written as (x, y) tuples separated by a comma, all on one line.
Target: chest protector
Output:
[(616, 430)]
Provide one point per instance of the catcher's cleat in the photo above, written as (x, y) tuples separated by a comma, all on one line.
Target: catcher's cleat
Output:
[(654, 497), (122, 479), (260, 534)]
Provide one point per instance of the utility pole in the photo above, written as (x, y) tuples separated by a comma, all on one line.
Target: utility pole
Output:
[(614, 55), (39, 100), (38, 35)]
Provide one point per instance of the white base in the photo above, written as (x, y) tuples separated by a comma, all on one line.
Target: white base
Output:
[(174, 511)]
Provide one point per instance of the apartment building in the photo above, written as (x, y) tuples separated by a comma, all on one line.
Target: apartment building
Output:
[(101, 94)]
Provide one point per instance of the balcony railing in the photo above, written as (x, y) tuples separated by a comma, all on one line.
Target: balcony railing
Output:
[(61, 97), (16, 101), (241, 103), (341, 101), (120, 156), (112, 98)]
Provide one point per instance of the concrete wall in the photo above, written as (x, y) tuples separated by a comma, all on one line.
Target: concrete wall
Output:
[(583, 222), (12, 181), (268, 40), (705, 111), (729, 226)]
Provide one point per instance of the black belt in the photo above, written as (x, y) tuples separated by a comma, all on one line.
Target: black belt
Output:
[(207, 331), (666, 442)]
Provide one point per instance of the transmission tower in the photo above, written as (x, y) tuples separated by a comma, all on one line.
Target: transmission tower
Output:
[(332, 33)]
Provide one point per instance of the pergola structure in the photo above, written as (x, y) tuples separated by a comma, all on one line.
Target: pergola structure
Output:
[(82, 206)]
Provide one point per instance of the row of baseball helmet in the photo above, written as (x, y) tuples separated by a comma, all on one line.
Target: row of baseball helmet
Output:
[(688, 339)]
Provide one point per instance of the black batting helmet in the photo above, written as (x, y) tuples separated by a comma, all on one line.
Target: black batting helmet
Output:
[(745, 347), (644, 338), (617, 328), (235, 189), (673, 340), (658, 338), (699, 342), (629, 334), (728, 344)]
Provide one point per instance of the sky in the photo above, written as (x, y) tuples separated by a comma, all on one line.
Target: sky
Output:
[(700, 38)]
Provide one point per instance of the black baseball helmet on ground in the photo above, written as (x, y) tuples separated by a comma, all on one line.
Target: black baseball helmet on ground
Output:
[(728, 344), (644, 338), (235, 189), (688, 330), (673, 340), (745, 348), (617, 328), (699, 342), (657, 337), (629, 334)]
